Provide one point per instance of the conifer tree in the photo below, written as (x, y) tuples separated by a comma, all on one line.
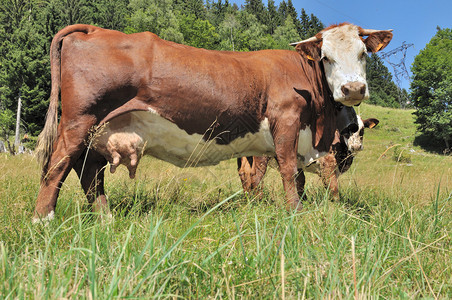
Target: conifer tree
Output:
[(272, 17), (256, 8), (305, 24), (292, 12), (382, 89)]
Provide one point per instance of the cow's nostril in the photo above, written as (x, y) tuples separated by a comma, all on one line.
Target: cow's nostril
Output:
[(345, 90), (363, 90)]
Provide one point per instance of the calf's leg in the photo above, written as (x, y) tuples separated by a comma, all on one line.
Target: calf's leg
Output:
[(301, 180), (260, 165), (251, 172), (329, 174), (244, 167)]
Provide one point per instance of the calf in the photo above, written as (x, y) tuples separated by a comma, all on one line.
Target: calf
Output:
[(337, 161)]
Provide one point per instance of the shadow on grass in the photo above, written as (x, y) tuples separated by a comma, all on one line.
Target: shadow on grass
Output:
[(136, 198), (361, 203), (430, 144), (141, 197)]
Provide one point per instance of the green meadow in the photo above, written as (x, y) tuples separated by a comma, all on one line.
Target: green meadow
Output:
[(193, 234)]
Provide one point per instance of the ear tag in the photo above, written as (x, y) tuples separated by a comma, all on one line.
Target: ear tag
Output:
[(379, 47), (310, 57)]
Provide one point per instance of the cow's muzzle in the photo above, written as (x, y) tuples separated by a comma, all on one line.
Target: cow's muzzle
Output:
[(353, 93)]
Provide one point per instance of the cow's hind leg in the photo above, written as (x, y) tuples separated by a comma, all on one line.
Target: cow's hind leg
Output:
[(90, 169), (66, 151)]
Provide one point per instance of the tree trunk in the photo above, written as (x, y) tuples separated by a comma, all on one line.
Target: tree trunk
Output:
[(17, 137)]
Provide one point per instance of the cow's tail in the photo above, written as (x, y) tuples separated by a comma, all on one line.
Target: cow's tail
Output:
[(49, 134)]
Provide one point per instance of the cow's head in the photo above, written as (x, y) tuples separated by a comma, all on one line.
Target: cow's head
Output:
[(343, 50), (354, 141)]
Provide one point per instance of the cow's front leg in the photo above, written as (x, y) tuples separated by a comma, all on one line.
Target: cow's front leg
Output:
[(285, 136), (90, 169)]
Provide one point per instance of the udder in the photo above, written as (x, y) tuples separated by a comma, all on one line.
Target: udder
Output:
[(124, 148)]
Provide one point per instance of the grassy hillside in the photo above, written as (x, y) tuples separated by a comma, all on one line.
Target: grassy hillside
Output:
[(391, 162), (185, 233)]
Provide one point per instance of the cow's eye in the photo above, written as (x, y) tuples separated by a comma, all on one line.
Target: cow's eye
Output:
[(326, 59), (363, 55)]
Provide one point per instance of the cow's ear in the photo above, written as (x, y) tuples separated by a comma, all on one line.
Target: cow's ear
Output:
[(378, 40), (370, 123), (310, 50)]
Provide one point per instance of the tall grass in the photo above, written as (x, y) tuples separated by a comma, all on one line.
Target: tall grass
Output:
[(191, 233)]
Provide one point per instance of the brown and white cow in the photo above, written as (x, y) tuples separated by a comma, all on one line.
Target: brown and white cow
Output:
[(123, 95), (337, 161)]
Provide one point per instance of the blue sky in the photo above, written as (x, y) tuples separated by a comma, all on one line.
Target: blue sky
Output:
[(413, 21)]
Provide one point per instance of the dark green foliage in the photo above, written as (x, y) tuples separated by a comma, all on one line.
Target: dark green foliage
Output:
[(286, 34), (191, 7), (198, 32), (217, 11), (383, 90), (110, 14), (25, 70), (310, 25), (291, 11), (272, 17), (256, 8), (432, 88), (315, 25), (74, 11), (7, 123), (157, 16)]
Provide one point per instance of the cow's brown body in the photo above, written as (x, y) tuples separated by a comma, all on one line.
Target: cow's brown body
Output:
[(103, 76)]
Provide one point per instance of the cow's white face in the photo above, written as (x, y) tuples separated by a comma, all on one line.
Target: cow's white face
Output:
[(343, 52)]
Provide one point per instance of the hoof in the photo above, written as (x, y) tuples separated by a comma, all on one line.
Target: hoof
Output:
[(295, 206), (45, 220), (106, 219)]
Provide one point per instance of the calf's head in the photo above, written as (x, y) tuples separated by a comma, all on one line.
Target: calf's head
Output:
[(343, 49), (354, 141)]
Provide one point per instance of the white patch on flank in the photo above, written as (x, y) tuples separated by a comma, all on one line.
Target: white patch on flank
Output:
[(149, 133), (306, 150), (46, 219), (123, 140)]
